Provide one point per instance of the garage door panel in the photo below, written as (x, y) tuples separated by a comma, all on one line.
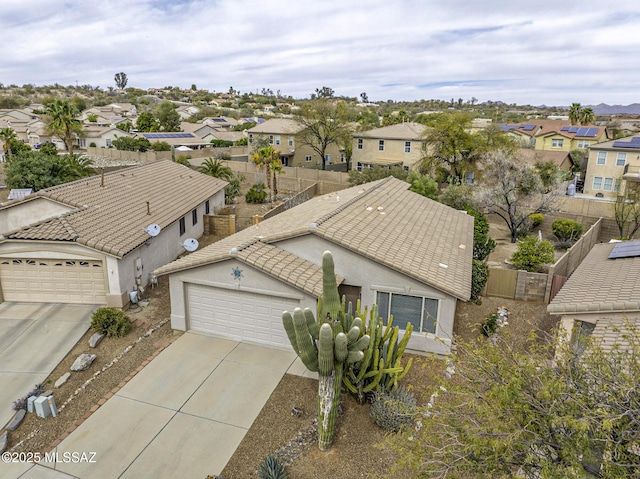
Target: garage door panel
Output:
[(238, 314), (63, 281)]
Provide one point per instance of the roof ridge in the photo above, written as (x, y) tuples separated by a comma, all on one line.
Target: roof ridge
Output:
[(68, 227), (348, 203), (45, 221)]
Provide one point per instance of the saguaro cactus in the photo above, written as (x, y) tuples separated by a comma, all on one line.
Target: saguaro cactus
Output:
[(325, 348)]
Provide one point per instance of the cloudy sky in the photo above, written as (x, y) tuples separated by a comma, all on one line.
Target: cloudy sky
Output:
[(526, 52)]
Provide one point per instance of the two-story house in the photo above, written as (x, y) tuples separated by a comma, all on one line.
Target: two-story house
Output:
[(394, 145), (613, 168), (281, 133), (554, 135)]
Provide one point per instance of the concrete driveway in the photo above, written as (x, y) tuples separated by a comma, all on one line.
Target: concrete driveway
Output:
[(183, 415), (34, 338)]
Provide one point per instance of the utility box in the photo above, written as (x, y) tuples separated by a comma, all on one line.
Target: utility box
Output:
[(30, 401), (42, 406)]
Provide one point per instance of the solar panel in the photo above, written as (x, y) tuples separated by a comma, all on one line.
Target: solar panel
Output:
[(219, 120), (582, 131), (627, 144), (152, 136), (573, 129), (528, 127), (628, 249), (591, 132), (565, 128)]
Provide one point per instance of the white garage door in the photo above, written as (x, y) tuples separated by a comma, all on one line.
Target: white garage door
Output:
[(237, 314), (52, 281)]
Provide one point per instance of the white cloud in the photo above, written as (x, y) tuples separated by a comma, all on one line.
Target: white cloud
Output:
[(517, 52)]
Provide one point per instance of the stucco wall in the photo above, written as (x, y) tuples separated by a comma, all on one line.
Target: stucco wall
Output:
[(393, 150)]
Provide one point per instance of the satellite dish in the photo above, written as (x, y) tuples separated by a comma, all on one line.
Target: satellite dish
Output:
[(153, 229), (190, 244)]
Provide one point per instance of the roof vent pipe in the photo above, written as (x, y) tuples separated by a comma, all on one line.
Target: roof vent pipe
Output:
[(148, 208)]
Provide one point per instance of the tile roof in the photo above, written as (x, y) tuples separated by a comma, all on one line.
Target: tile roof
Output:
[(111, 218), (381, 220), (277, 126), (600, 284), (534, 156), (401, 131)]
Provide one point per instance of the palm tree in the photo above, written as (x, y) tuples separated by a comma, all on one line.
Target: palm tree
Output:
[(574, 113), (276, 168), (587, 116), (263, 158), (216, 169), (6, 135), (63, 122)]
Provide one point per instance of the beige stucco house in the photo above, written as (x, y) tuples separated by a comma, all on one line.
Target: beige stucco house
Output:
[(406, 253), (281, 133), (613, 168), (394, 145), (88, 241)]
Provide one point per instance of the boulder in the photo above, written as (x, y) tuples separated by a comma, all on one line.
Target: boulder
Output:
[(95, 339), (17, 420), (61, 380), (82, 362)]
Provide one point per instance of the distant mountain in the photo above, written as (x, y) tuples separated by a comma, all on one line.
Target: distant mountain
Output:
[(604, 109)]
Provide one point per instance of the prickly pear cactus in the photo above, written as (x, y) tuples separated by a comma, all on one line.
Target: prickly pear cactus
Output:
[(326, 346)]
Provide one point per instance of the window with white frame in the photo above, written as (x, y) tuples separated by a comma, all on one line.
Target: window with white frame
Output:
[(108, 142), (271, 139), (342, 158), (290, 141), (360, 143), (602, 158), (621, 159), (327, 158), (307, 158), (277, 139), (583, 143), (407, 147), (608, 184), (380, 145), (597, 183), (359, 166), (421, 312), (557, 143)]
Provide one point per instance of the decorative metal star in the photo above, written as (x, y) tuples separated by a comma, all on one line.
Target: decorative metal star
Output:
[(236, 273)]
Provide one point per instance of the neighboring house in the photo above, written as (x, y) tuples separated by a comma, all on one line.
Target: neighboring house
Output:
[(602, 296), (394, 145), (569, 138), (176, 139), (187, 111), (562, 159), (613, 168), (409, 254), (85, 241), (221, 122), (102, 136), (281, 133), (554, 135)]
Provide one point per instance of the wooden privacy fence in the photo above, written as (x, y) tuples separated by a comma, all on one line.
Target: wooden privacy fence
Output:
[(502, 283)]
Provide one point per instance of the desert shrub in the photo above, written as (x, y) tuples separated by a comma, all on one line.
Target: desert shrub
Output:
[(23, 401), (256, 194), (111, 322), (566, 230), (479, 277), (393, 410), (272, 468), (232, 190), (483, 244), (490, 324), (457, 196), (533, 253), (536, 219), (92, 144)]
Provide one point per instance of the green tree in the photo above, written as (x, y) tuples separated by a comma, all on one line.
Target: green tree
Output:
[(48, 148), (121, 80), (269, 159), (127, 143), (450, 144), (6, 135), (216, 169), (125, 126), (324, 123), (508, 411), (587, 116), (532, 254), (62, 121), (459, 197), (168, 117), (513, 190), (160, 146), (34, 169), (92, 118), (146, 122), (423, 185)]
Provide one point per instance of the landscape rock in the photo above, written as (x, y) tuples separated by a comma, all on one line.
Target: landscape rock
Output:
[(47, 393), (3, 442), (95, 339), (17, 420), (63, 379), (83, 362), (143, 303)]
